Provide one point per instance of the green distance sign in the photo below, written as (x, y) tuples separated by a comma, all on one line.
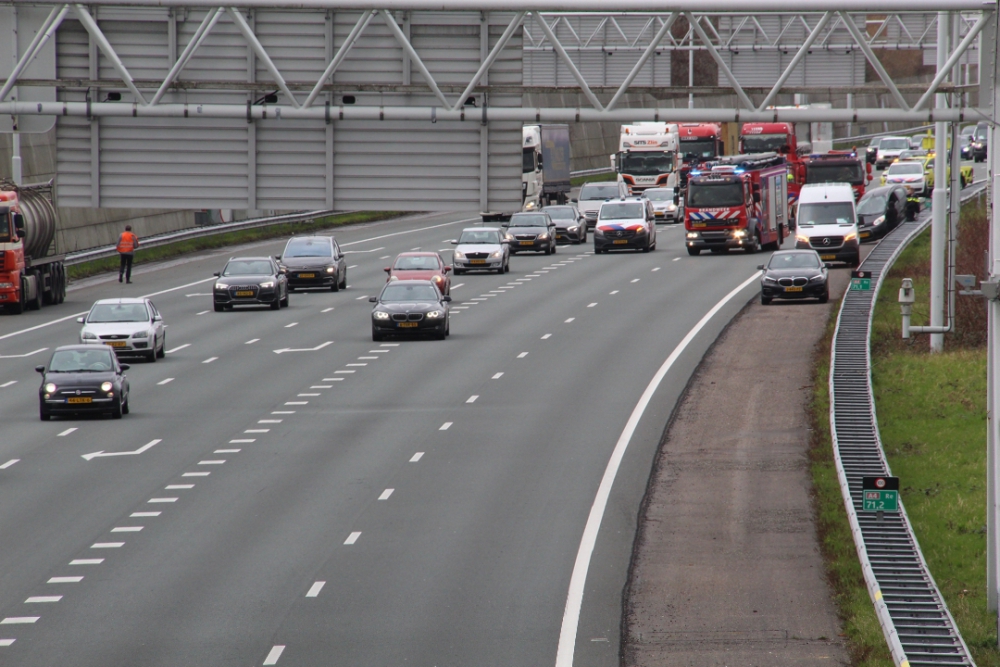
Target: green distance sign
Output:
[(861, 281), (881, 501)]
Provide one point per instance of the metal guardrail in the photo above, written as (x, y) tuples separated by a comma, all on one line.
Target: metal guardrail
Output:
[(80, 256), (591, 172), (914, 617)]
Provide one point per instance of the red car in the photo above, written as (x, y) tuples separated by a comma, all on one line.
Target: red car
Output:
[(421, 266)]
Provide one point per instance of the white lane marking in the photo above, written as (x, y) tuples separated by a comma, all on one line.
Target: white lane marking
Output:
[(635, 280), (296, 402), (353, 537), (360, 364), (326, 310), (315, 589), (188, 296), (352, 252), (677, 259), (377, 351), (522, 355), (390, 345), (211, 462), (148, 445), (459, 307), (107, 545), (385, 494), (139, 514), (363, 296), (546, 336), (196, 474), (385, 257), (251, 341), (466, 304), (478, 299), (497, 291), (283, 412), (19, 620), (126, 529), (578, 580), (414, 249), (337, 379), (531, 275), (178, 348), (445, 426), (273, 655), (458, 285), (497, 376), (162, 500), (613, 292), (8, 383), (303, 349), (170, 487), (591, 305), (202, 312), (87, 561), (257, 430), (43, 598), (345, 371), (570, 320), (416, 457), (9, 464), (64, 580), (226, 451), (524, 280), (269, 421), (291, 324), (655, 269), (66, 432), (6, 642), (166, 381), (308, 395), (472, 399), (541, 271), (367, 358), (353, 266), (22, 356), (209, 360)]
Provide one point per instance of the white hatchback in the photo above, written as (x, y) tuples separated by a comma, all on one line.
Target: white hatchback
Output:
[(130, 326)]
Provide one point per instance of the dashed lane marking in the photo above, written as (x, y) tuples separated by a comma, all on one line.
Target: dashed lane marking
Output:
[(128, 529), (66, 432), (211, 462), (677, 259), (546, 336), (314, 590), (64, 580), (274, 654), (522, 355), (141, 514), (353, 537), (568, 320), (367, 357), (165, 381), (390, 344), (6, 642), (359, 364), (363, 296), (377, 351), (416, 457), (162, 500), (655, 269), (296, 402), (308, 395), (385, 494), (458, 285), (497, 376), (107, 545), (326, 310), (195, 474), (171, 487), (353, 266), (9, 464), (237, 441), (19, 620), (613, 292), (209, 360), (283, 412), (291, 324), (635, 280), (472, 399), (251, 341), (269, 421), (8, 383), (43, 598), (335, 379), (202, 312), (257, 430), (87, 561), (445, 426), (178, 348), (591, 305), (345, 371), (227, 451)]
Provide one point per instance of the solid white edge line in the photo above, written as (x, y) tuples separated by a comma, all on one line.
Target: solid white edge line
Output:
[(574, 598)]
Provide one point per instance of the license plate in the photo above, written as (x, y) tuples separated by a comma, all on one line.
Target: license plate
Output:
[(526, 243), (865, 235), (559, 236), (699, 224), (407, 325), (658, 214), (621, 242), (793, 289), (307, 275), (116, 343), (825, 257), (477, 261), (244, 292), (79, 399)]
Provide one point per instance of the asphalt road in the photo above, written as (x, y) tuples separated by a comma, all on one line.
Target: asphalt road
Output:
[(412, 502)]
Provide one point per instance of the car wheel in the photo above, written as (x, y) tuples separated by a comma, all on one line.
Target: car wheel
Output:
[(276, 304), (754, 247), (647, 247), (163, 347), (335, 287), (694, 252), (765, 300), (116, 412), (506, 266), (825, 297), (43, 415), (856, 262), (343, 280), (597, 251), (440, 334), (457, 272), (284, 302), (219, 308), (447, 327), (152, 355), (125, 407), (554, 247)]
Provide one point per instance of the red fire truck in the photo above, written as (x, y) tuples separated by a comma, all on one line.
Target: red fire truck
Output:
[(778, 138), (737, 202), (838, 167), (697, 142)]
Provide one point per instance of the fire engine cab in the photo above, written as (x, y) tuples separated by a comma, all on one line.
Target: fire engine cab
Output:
[(737, 202), (838, 167), (779, 138), (697, 143)]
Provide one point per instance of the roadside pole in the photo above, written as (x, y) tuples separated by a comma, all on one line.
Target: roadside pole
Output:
[(991, 87), (939, 197)]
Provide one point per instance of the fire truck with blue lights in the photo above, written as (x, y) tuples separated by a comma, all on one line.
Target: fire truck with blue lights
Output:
[(737, 201)]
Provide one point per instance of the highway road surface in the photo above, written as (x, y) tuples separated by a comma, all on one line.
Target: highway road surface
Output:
[(276, 500)]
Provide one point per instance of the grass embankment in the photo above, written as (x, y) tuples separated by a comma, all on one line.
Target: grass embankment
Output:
[(171, 250), (577, 181)]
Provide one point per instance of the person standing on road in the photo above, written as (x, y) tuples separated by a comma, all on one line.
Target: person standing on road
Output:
[(127, 243)]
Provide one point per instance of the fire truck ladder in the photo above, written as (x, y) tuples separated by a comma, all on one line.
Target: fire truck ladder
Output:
[(911, 610)]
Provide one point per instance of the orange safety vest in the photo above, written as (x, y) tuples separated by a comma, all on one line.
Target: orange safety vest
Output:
[(127, 243)]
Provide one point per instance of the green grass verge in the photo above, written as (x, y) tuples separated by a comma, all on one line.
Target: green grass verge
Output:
[(577, 181), (171, 250), (865, 641)]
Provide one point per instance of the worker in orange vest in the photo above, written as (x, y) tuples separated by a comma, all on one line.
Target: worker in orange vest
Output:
[(127, 243)]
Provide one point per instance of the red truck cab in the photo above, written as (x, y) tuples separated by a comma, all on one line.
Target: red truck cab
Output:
[(839, 167), (11, 249), (697, 143), (779, 138)]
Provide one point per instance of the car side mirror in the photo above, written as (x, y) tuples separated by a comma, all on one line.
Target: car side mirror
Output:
[(157, 318), (453, 242), (40, 369), (447, 269), (827, 265), (677, 200), (760, 267), (373, 299), (756, 198), (446, 297), (81, 320), (574, 201), (217, 274), (277, 258), (125, 367), (19, 224), (388, 269), (504, 242)]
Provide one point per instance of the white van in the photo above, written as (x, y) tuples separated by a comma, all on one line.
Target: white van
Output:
[(828, 222)]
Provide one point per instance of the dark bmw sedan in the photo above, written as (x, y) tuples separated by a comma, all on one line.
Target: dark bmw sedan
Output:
[(410, 307), (794, 274), (881, 210), (314, 261), (250, 281), (531, 231), (83, 379)]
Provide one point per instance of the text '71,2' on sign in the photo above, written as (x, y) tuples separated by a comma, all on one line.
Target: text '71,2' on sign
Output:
[(880, 494)]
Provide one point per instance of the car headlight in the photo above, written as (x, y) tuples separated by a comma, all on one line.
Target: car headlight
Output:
[(768, 280), (391, 278), (50, 388), (640, 230), (459, 255), (802, 238), (739, 233), (496, 254), (380, 315), (572, 229), (330, 269), (878, 221), (598, 231), (87, 335), (267, 285), (438, 279), (530, 206), (692, 235), (850, 237), (222, 287), (107, 386), (671, 206), (434, 314), (140, 334), (542, 237), (817, 278)]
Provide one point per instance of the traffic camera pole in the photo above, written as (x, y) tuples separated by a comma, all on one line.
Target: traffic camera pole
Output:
[(939, 197), (993, 347)]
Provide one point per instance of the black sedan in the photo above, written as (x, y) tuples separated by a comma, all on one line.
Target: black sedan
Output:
[(83, 379), (571, 226), (250, 281), (881, 210), (314, 261), (531, 231), (410, 307), (794, 274)]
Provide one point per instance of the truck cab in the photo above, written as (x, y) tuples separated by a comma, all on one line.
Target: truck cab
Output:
[(838, 167), (545, 163), (647, 154), (828, 222)]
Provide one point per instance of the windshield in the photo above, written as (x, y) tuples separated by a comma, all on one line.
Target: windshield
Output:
[(308, 248), (874, 142), (81, 361), (764, 143), (714, 195), (647, 163), (527, 160), (480, 236), (658, 195), (592, 192), (698, 149), (418, 263), (5, 225), (904, 168), (834, 213), (835, 173), (894, 144), (118, 312), (253, 267), (981, 133), (622, 211), (794, 260), (409, 293), (528, 221), (872, 204), (560, 213)]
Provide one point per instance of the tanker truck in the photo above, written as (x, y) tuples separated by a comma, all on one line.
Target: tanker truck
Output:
[(31, 273)]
